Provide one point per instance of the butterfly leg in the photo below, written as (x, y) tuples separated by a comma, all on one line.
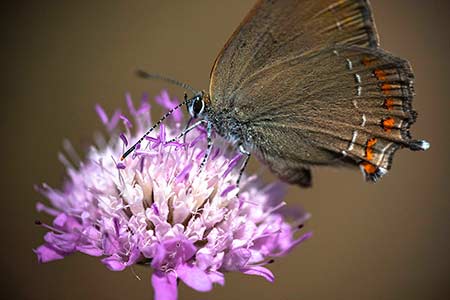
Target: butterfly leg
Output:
[(189, 122), (187, 129), (244, 165), (209, 146)]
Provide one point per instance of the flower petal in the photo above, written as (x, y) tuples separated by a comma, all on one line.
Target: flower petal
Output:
[(51, 211), (90, 250), (45, 253), (294, 244), (165, 285), (114, 120), (216, 277), (64, 243), (160, 254), (134, 256), (101, 114), (114, 263), (236, 259), (194, 277), (259, 271), (164, 100)]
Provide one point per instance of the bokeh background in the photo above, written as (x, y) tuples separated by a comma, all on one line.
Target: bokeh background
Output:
[(59, 58)]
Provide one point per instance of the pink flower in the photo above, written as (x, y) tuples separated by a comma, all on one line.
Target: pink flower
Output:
[(157, 208)]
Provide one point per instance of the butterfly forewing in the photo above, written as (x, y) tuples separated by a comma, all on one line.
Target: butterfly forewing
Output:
[(277, 29)]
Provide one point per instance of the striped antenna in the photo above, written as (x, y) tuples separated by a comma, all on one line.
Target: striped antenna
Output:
[(146, 75)]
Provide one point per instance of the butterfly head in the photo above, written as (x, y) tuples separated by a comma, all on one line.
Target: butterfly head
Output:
[(196, 105)]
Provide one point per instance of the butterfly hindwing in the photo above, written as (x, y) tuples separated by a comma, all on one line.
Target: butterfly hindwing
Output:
[(384, 93), (343, 105)]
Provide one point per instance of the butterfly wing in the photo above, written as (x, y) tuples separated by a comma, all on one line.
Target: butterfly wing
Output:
[(331, 107), (308, 84), (275, 29)]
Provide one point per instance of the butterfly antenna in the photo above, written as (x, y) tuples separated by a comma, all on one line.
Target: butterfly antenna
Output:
[(130, 150), (146, 75)]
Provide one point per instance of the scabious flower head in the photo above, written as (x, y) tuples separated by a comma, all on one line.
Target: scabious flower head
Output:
[(159, 209)]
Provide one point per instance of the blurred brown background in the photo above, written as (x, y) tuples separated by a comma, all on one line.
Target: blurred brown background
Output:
[(59, 58)]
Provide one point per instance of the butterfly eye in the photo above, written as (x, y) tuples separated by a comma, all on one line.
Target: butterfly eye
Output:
[(197, 106)]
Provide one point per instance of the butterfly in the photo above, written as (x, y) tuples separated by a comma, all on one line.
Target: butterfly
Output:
[(304, 83)]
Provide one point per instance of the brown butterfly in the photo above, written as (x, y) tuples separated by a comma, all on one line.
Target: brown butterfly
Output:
[(303, 83)]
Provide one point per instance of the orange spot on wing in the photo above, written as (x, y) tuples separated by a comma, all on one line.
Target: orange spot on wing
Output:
[(380, 74), (389, 104), (388, 124), (369, 168), (369, 148), (386, 86), (371, 142)]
